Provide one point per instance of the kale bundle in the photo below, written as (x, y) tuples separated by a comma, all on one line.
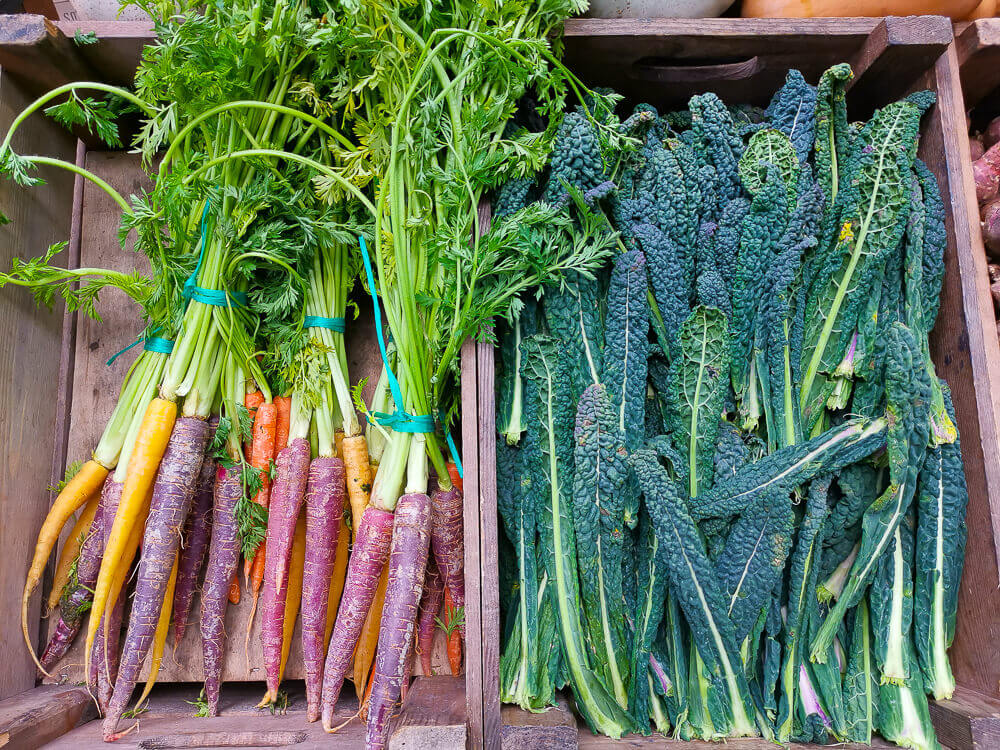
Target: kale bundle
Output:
[(713, 450)]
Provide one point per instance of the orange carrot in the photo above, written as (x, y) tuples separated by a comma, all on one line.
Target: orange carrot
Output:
[(454, 637), (262, 453), (454, 476), (234, 589), (284, 407), (364, 653), (252, 401)]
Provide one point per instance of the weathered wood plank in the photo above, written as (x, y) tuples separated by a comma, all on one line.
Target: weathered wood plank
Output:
[(472, 526), (30, 339), (33, 49), (554, 729), (978, 48), (969, 721), (431, 703), (897, 51), (42, 714), (967, 355)]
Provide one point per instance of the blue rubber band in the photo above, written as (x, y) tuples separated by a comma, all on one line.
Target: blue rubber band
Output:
[(216, 297), (399, 420), (338, 325)]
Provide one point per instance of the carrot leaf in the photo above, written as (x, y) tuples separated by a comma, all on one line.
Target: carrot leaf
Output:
[(71, 471)]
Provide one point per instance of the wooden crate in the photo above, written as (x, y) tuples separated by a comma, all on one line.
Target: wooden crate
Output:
[(54, 420), (664, 62)]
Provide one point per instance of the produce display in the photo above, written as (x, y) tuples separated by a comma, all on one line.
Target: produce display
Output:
[(294, 150), (729, 477)]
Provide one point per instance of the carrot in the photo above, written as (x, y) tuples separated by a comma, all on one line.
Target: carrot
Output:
[(430, 606), (160, 637), (77, 491), (366, 695), (75, 602), (71, 549), (407, 567), (338, 442), (234, 589), (144, 462), (283, 404), (197, 532), (324, 516), (105, 651), (337, 579), (371, 550), (286, 502), (452, 634), (364, 653), (448, 542), (223, 559), (456, 478), (407, 671), (252, 400), (172, 496), (293, 598), (104, 664), (262, 453), (359, 475)]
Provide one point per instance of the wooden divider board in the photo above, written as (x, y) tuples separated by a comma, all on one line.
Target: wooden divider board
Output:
[(29, 369), (94, 391)]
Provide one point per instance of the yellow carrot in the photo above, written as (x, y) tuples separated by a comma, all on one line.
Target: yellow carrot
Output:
[(78, 490), (160, 638), (293, 600), (358, 473), (337, 583), (150, 445), (296, 567), (364, 653), (71, 549)]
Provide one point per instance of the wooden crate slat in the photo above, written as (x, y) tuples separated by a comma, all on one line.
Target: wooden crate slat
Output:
[(746, 60), (30, 339), (473, 587), (965, 348), (978, 47)]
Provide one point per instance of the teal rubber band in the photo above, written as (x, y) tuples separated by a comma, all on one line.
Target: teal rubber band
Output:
[(399, 420), (156, 344), (216, 297), (338, 325), (151, 344), (451, 446)]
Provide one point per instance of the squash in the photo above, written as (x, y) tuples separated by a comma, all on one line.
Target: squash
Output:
[(985, 9), (957, 9)]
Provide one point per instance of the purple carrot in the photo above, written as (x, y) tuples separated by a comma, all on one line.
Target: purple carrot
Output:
[(371, 551), (223, 558), (75, 602), (448, 543), (324, 512), (173, 491), (407, 566), (104, 663), (286, 501), (430, 606), (197, 532), (104, 655)]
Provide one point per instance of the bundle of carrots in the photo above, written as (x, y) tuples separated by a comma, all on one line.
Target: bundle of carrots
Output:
[(289, 142)]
